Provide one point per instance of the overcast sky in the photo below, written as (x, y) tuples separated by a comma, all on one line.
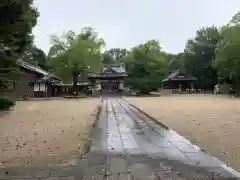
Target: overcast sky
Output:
[(126, 23)]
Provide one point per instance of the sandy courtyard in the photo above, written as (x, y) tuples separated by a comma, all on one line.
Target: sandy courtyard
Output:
[(41, 132), (211, 122)]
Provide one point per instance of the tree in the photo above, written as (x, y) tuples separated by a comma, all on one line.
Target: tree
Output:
[(117, 54), (18, 19), (16, 27), (114, 55), (227, 59), (235, 20), (176, 62), (198, 56), (36, 56), (107, 58), (76, 54), (146, 66)]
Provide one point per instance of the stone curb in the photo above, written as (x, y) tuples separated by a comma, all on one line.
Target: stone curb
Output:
[(224, 166), (95, 113), (146, 114)]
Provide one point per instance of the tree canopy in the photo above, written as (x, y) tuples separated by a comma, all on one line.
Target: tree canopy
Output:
[(74, 55), (16, 27), (211, 56), (36, 56), (114, 55), (198, 57), (227, 61), (17, 20), (146, 65)]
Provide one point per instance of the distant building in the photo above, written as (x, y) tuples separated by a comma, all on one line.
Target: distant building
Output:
[(110, 80), (32, 81), (178, 80)]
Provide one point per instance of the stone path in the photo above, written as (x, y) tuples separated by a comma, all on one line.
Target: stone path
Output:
[(126, 130), (127, 144)]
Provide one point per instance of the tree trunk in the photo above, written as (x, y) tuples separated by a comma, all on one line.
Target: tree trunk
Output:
[(75, 81), (237, 90)]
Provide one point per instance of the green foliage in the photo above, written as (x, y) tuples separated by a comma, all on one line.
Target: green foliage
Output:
[(114, 55), (199, 55), (6, 103), (18, 19), (107, 58), (227, 59), (235, 19), (36, 56), (212, 56), (146, 66), (16, 26), (76, 54), (176, 62)]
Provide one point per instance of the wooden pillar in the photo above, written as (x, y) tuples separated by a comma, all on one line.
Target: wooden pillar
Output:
[(121, 85), (162, 87), (45, 89), (192, 86)]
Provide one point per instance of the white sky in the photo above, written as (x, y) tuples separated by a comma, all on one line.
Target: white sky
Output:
[(127, 23)]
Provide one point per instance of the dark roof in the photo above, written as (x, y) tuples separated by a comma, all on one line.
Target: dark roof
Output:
[(112, 70), (106, 75), (117, 68), (78, 84), (179, 76), (46, 76), (109, 70), (31, 67), (49, 79)]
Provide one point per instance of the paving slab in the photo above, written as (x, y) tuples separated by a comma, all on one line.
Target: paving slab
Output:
[(133, 132), (127, 144)]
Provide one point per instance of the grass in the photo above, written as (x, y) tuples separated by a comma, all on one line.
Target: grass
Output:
[(43, 132), (211, 122)]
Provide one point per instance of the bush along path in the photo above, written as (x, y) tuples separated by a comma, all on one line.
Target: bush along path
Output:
[(126, 145)]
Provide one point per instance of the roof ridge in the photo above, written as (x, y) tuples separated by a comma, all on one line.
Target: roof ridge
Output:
[(31, 67)]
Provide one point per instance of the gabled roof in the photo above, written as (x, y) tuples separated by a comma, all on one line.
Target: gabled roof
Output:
[(50, 79), (31, 67), (46, 76), (109, 70), (115, 68), (179, 76), (78, 84), (112, 70), (105, 75)]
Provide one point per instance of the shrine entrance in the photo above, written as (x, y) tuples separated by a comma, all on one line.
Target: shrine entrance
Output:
[(110, 80), (110, 86)]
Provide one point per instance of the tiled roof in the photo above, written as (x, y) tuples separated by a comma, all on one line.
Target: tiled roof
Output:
[(112, 70), (118, 68), (78, 84), (46, 76), (32, 67), (177, 75)]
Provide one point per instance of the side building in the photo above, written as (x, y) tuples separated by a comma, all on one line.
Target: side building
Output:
[(33, 81), (179, 81)]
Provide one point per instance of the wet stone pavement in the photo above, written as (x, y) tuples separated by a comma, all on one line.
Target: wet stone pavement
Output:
[(127, 144)]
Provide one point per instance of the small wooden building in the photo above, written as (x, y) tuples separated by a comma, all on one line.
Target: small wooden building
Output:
[(47, 86), (110, 80), (179, 80), (33, 81), (68, 89)]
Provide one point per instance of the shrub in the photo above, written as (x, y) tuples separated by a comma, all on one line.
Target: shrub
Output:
[(6, 103)]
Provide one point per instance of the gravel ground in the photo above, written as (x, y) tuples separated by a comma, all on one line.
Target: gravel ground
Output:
[(43, 132), (211, 122)]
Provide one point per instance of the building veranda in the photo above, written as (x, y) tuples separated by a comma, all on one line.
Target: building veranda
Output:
[(179, 82), (110, 80)]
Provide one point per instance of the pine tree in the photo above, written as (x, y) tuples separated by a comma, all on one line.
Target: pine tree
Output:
[(18, 17)]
